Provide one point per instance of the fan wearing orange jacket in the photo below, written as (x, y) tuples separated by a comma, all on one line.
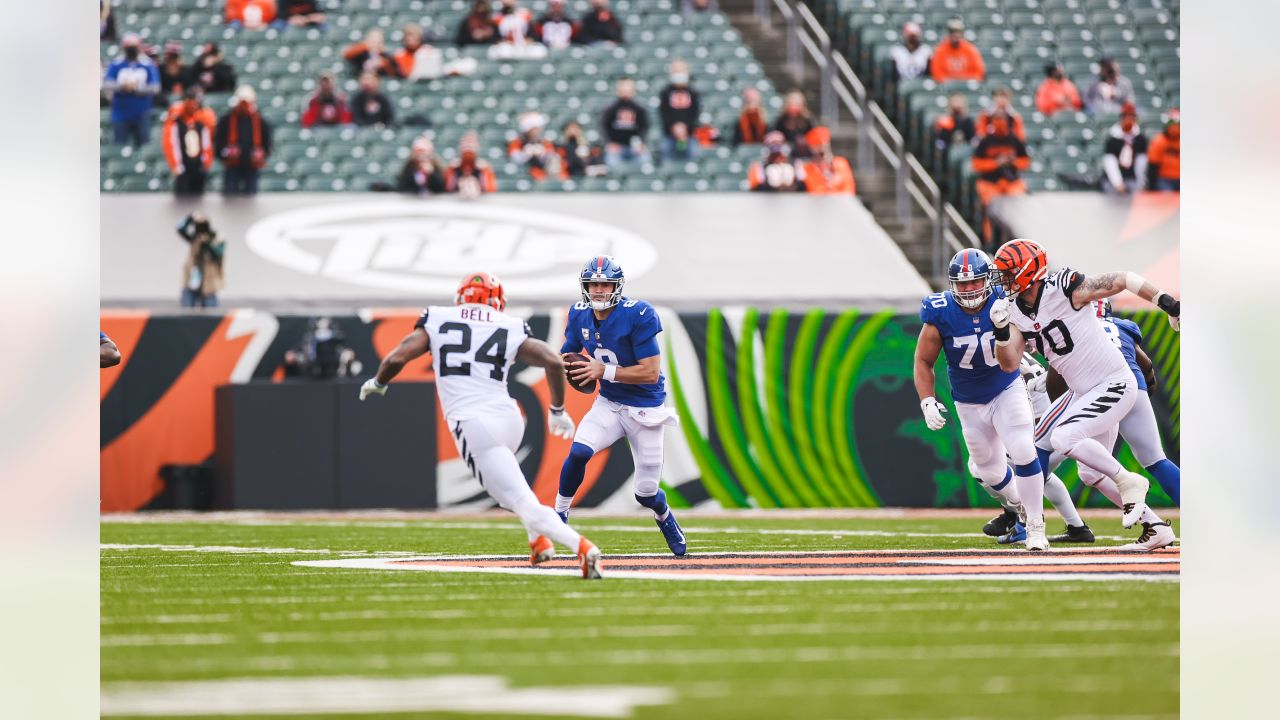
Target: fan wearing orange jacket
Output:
[(252, 14), (827, 173), (1165, 155), (999, 161), (187, 140), (956, 58)]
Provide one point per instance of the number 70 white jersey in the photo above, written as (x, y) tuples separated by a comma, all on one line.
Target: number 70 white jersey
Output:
[(1072, 340), (472, 350)]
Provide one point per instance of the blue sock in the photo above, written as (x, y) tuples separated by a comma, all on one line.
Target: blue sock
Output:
[(1042, 457), (656, 503), (574, 469), (1170, 478)]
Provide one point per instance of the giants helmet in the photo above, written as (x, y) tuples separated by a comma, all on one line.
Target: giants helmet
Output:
[(1104, 308), (602, 269), (969, 265), (1017, 265), (481, 288)]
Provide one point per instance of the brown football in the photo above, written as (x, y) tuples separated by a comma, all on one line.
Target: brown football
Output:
[(588, 387)]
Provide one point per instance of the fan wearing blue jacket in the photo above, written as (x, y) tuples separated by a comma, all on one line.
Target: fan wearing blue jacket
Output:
[(133, 81)]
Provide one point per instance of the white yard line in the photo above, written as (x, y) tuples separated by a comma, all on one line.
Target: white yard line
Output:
[(351, 695)]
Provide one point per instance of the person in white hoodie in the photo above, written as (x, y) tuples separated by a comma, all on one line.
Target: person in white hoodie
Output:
[(1124, 159)]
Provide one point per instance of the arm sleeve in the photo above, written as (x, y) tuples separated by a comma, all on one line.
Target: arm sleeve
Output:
[(1070, 281)]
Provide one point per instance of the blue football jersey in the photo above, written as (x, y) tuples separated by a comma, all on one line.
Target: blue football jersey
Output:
[(1128, 336), (969, 344), (628, 335)]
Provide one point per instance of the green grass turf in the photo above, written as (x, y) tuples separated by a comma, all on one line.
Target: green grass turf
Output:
[(840, 649)]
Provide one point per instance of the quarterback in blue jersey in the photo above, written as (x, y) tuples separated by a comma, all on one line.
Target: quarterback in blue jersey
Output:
[(995, 415), (620, 337)]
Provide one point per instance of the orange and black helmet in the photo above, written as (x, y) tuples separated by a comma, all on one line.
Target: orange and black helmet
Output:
[(481, 288), (1018, 264)]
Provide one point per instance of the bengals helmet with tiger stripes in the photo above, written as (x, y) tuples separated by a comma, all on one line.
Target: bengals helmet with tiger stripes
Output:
[(481, 288), (1017, 265)]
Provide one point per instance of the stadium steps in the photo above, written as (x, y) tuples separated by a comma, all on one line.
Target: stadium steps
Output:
[(876, 191)]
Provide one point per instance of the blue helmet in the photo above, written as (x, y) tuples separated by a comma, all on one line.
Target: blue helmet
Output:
[(602, 268), (1104, 308), (969, 265)]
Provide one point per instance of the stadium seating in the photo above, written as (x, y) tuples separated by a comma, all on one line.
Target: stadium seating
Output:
[(575, 84), (1017, 38)]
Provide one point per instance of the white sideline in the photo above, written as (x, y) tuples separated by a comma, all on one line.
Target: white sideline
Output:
[(353, 695)]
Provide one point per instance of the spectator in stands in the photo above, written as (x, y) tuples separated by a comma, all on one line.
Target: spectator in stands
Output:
[(1164, 155), (302, 13), (600, 26), (751, 126), (533, 150), (1057, 92), (172, 74), (1001, 102), (406, 56), (911, 57), (515, 34), (423, 172), (211, 72), (956, 58), (370, 106), (578, 156), (477, 28), (827, 173), (133, 81), (243, 143), (555, 29), (626, 126), (106, 22), (187, 140), (1110, 90), (999, 161), (417, 60), (370, 55), (794, 123), (327, 106), (679, 108), (469, 176), (955, 123), (777, 173), (250, 14), (202, 276), (1124, 156), (700, 6)]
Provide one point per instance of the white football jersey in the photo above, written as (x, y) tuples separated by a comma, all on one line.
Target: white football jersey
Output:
[(472, 350), (1071, 339)]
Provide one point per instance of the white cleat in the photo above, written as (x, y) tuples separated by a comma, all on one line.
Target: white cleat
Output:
[(1036, 540), (1154, 536), (1133, 496)]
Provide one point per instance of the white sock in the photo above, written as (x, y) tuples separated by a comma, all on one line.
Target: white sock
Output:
[(664, 515), (1000, 497), (1092, 453), (1148, 516), (1061, 499), (563, 503), (1031, 493), (541, 521), (1107, 487)]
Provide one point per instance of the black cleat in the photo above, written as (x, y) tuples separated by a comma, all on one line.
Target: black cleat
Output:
[(1001, 524), (1074, 534)]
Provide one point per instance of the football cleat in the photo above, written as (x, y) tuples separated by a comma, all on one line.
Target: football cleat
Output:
[(542, 550), (564, 516), (1001, 524), (589, 560), (1016, 535), (1074, 534), (1035, 537), (1133, 494), (673, 534), (1154, 536)]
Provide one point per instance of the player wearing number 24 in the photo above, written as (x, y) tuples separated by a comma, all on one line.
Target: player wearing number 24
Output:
[(995, 414), (620, 336)]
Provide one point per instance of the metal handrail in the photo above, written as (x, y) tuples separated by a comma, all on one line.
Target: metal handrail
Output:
[(876, 132)]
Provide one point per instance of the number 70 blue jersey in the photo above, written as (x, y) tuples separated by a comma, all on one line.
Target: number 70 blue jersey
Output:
[(969, 344)]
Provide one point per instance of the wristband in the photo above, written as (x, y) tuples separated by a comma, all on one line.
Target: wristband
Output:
[(610, 371), (1001, 333), (556, 409), (1166, 303), (378, 385)]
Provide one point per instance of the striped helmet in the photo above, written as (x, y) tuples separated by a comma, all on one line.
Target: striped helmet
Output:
[(967, 266), (482, 288), (1017, 265), (602, 268)]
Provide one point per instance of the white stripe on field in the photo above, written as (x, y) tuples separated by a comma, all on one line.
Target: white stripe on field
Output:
[(351, 695)]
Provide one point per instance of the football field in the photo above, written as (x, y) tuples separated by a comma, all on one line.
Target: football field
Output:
[(825, 614)]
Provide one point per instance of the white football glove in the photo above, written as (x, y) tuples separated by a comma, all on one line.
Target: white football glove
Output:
[(559, 423), (1036, 383), (1176, 323), (371, 387), (1000, 312), (933, 411)]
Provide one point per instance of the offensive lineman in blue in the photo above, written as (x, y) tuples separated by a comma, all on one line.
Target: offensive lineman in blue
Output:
[(620, 335), (995, 415)]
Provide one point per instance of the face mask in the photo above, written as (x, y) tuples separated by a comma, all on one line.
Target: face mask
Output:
[(131, 53), (679, 78)]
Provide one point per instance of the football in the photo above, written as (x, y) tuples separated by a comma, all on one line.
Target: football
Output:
[(587, 387)]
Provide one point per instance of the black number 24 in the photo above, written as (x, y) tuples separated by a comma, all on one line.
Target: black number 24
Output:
[(493, 351)]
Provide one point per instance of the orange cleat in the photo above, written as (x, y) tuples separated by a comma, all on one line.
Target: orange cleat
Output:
[(589, 559), (542, 549)]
